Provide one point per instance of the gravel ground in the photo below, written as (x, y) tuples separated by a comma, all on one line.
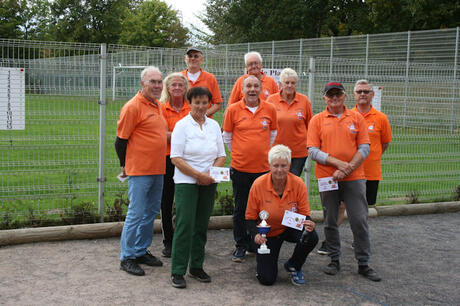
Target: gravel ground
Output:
[(417, 257)]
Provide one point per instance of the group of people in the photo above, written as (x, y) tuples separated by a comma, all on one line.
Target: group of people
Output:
[(167, 142)]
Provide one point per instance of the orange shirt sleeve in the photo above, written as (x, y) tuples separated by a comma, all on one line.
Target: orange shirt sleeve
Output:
[(386, 130), (313, 134), (363, 136), (228, 122), (252, 209), (127, 122)]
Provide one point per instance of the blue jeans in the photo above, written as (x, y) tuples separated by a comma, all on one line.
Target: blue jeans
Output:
[(144, 194)]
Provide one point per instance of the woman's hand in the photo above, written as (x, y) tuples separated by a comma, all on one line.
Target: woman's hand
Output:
[(259, 239), (204, 179), (309, 225)]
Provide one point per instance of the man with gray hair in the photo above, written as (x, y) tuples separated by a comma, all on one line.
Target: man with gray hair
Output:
[(338, 141), (253, 64), (141, 135)]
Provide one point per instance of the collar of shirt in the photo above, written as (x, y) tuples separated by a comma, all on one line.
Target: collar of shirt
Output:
[(287, 187), (295, 100), (192, 121), (169, 106), (345, 113), (372, 111), (145, 100)]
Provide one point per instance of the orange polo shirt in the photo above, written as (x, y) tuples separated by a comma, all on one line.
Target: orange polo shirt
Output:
[(340, 137), (143, 125), (269, 87), (172, 116), (379, 131), (264, 197), (209, 81), (293, 122), (251, 135)]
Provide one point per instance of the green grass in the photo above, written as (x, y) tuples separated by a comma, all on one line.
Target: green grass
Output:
[(52, 165)]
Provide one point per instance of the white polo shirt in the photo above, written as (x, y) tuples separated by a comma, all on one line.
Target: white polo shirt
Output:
[(198, 147)]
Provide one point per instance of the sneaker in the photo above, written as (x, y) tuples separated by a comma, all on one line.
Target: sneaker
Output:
[(332, 268), (149, 260), (166, 252), (238, 255), (131, 266), (323, 250), (296, 275), (369, 273), (199, 275), (178, 281)]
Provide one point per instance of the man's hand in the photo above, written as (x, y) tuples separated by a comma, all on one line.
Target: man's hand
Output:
[(338, 175), (123, 172), (259, 239), (309, 225)]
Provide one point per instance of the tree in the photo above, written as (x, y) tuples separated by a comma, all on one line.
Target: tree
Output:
[(154, 24), (10, 19)]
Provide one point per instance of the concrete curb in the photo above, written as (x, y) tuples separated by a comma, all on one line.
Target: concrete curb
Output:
[(113, 229)]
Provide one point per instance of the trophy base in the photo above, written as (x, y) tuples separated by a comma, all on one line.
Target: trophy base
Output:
[(263, 251)]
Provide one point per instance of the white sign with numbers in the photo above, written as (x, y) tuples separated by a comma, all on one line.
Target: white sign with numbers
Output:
[(12, 98)]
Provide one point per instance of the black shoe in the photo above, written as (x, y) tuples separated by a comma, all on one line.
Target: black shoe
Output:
[(332, 268), (238, 254), (131, 266), (323, 249), (149, 260), (199, 275), (166, 252), (369, 273), (178, 281)]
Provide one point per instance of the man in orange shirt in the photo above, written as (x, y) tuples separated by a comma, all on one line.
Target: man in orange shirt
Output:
[(338, 141), (141, 135), (249, 131), (380, 136), (197, 77), (253, 64)]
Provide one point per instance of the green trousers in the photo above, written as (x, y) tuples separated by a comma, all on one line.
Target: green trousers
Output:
[(194, 206)]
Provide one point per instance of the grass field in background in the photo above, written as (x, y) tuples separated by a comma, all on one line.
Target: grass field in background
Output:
[(52, 165)]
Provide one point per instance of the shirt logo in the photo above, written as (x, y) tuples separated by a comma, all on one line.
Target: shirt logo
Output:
[(371, 128), (352, 129), (266, 93), (264, 123), (300, 115)]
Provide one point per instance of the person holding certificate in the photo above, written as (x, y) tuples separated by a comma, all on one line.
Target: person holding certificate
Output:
[(196, 146), (283, 199)]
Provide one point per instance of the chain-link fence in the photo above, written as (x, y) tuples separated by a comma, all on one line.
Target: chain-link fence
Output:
[(63, 163)]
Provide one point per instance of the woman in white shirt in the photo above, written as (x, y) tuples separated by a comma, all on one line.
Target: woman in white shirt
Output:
[(196, 146)]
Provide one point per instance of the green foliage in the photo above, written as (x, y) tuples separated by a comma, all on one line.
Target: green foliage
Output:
[(412, 197), (240, 21), (153, 24), (115, 212), (81, 213), (457, 193), (10, 18), (226, 203)]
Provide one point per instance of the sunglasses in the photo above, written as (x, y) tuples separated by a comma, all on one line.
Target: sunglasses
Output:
[(366, 92)]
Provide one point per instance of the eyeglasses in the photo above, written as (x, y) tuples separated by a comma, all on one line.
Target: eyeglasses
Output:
[(366, 92), (194, 55), (330, 94)]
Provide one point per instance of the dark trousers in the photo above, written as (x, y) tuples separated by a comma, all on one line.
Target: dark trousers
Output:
[(371, 192), (241, 183), (297, 165), (167, 202), (267, 264)]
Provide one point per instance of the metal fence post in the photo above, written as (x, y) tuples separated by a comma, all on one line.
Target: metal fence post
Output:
[(454, 84), (406, 87), (102, 101), (300, 73), (226, 66), (311, 95), (311, 81), (366, 68), (273, 54), (331, 56)]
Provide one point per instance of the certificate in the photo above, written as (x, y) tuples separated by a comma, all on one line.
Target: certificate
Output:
[(292, 219), (327, 184), (220, 174)]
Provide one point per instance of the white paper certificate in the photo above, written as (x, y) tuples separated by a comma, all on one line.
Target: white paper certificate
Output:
[(292, 219), (327, 184), (220, 174), (122, 179)]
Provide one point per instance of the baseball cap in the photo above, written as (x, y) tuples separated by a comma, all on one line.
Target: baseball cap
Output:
[(332, 85), (193, 49)]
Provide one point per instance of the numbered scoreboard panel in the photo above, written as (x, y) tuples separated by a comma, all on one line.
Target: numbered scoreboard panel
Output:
[(12, 98)]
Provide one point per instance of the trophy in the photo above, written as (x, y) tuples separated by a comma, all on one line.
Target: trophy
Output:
[(263, 229)]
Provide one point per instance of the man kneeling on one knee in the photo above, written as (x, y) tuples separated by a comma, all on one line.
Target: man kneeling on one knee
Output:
[(276, 192)]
